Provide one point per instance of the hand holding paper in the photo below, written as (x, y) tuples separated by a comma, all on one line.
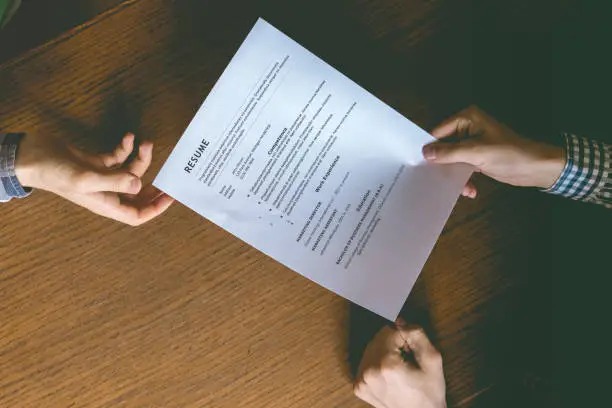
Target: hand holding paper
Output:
[(294, 158), (495, 150)]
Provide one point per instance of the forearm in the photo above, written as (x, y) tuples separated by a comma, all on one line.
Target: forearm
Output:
[(10, 187), (587, 175)]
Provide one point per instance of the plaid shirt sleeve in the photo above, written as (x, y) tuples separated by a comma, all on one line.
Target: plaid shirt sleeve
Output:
[(9, 184), (587, 175)]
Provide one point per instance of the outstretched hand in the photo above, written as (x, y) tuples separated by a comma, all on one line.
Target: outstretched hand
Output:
[(106, 184), (474, 137)]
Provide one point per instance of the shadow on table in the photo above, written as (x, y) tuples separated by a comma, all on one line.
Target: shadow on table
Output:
[(408, 71), (120, 114)]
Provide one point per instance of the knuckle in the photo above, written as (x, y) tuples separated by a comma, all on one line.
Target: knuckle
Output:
[(397, 337), (359, 390), (474, 112), (371, 376), (134, 222), (417, 334), (436, 358), (129, 219), (108, 160), (417, 331), (389, 372)]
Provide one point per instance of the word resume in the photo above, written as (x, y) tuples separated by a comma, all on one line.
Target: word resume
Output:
[(300, 162)]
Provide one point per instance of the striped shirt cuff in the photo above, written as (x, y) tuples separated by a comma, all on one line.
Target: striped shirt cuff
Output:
[(587, 175), (10, 187)]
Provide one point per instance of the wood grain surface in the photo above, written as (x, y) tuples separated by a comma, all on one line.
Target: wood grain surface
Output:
[(178, 313)]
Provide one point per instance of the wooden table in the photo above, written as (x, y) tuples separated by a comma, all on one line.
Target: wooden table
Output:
[(178, 313)]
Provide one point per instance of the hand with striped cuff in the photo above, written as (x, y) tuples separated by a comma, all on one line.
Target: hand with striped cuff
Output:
[(106, 184), (580, 170)]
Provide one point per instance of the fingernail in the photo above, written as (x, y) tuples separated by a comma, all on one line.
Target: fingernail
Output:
[(429, 152)]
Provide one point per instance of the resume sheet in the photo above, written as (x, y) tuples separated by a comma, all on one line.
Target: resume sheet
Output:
[(300, 162)]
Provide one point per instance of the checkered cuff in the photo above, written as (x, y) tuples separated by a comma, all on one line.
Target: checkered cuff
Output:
[(9, 184), (587, 175)]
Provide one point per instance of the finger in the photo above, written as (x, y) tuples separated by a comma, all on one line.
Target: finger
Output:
[(121, 152), (394, 338), (387, 339), (425, 354), (391, 345), (373, 354), (455, 126), (469, 190), (457, 152), (113, 159), (142, 161), (111, 206), (147, 195), (138, 215), (118, 181)]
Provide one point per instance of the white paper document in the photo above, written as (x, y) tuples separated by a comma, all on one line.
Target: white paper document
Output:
[(297, 160)]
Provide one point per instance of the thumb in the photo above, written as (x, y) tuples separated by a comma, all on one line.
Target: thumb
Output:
[(117, 181), (425, 354), (445, 152)]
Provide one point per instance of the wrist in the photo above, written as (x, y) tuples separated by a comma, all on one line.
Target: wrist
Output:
[(550, 161), (26, 168)]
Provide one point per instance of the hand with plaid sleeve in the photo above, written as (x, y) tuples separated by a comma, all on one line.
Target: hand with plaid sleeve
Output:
[(107, 184), (580, 170)]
